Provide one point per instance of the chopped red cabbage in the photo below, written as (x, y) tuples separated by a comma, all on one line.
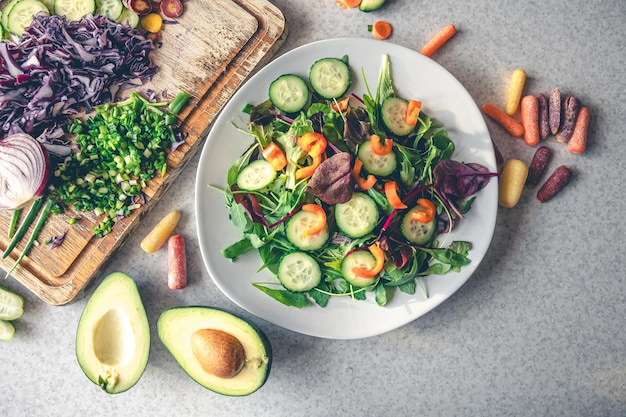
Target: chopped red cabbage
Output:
[(58, 68)]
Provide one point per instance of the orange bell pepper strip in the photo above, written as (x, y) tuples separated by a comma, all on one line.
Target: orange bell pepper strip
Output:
[(341, 105), (321, 219), (307, 171), (413, 111), (363, 183), (376, 143), (275, 156), (428, 214), (379, 255), (313, 143), (391, 192)]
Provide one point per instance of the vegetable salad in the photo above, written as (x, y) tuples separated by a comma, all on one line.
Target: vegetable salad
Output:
[(347, 195)]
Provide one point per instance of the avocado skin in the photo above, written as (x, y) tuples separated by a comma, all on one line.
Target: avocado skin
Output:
[(187, 361), (113, 288)]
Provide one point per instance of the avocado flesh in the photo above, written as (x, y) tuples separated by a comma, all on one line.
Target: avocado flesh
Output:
[(176, 327), (113, 335)]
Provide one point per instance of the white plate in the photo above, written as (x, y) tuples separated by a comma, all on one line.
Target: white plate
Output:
[(414, 76)]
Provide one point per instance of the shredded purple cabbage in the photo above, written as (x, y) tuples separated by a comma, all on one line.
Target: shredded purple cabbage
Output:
[(58, 68)]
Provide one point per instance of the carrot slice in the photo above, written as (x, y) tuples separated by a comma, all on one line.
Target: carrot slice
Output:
[(578, 141), (412, 111), (438, 40), (341, 105), (363, 183), (377, 146), (348, 4), (275, 156), (313, 143), (391, 192), (428, 214), (507, 122), (379, 255), (381, 29), (307, 171), (321, 219)]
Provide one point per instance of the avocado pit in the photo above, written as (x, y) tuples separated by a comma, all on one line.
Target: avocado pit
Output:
[(219, 353)]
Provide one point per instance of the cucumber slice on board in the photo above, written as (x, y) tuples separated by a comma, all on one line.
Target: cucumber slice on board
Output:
[(393, 112), (128, 17), (371, 5), (109, 8), (74, 9), (256, 175), (358, 216), (289, 93), (22, 13), (299, 272), (330, 77), (298, 223), (6, 10)]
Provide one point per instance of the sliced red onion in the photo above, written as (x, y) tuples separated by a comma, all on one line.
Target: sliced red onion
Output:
[(24, 170)]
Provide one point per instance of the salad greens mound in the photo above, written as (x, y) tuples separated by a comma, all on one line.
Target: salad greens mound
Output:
[(349, 195)]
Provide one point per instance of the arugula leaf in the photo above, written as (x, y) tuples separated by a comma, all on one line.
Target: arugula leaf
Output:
[(236, 249), (286, 297)]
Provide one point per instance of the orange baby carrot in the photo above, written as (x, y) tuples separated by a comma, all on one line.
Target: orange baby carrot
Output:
[(438, 40), (381, 29), (348, 3), (578, 140), (507, 122), (530, 119)]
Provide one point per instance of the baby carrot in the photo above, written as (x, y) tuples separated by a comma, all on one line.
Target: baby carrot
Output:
[(512, 182), (177, 263), (381, 29), (507, 122), (516, 87), (161, 232), (438, 40), (530, 119), (578, 140)]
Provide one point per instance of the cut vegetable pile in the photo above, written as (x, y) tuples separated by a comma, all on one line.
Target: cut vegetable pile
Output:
[(345, 195)]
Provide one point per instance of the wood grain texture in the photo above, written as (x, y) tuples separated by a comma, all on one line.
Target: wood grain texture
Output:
[(215, 46)]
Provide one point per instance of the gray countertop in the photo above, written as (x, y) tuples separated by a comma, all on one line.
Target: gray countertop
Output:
[(538, 330)]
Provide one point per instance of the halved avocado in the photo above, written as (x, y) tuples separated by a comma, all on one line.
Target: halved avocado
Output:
[(219, 350), (113, 336)]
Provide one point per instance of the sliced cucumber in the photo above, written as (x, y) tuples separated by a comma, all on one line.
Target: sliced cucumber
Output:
[(359, 259), (6, 10), (11, 305), (299, 272), (289, 93), (393, 112), (6, 330), (358, 216), (74, 10), (22, 13), (371, 5), (298, 223), (330, 77), (256, 175), (49, 4), (417, 232), (382, 165), (109, 8), (128, 17)]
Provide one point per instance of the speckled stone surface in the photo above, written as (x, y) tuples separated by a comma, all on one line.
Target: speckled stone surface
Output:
[(538, 330)]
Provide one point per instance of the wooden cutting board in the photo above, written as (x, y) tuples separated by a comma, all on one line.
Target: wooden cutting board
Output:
[(214, 46)]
